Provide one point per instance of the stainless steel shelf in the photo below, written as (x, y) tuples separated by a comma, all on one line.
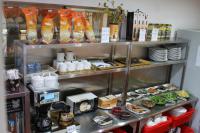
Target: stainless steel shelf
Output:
[(94, 44), (90, 73), (158, 64), (89, 126), (157, 43), (57, 45)]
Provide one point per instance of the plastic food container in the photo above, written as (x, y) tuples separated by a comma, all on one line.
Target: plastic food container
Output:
[(182, 119), (162, 127)]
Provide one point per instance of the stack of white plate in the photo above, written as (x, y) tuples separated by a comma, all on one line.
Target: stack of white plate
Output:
[(174, 53), (158, 54)]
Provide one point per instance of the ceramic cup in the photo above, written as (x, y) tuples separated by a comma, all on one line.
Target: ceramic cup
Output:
[(37, 81), (70, 56), (87, 65), (79, 65), (71, 65), (62, 67), (60, 57)]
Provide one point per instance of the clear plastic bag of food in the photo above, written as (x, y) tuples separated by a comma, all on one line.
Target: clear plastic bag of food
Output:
[(79, 28), (31, 14), (48, 25), (65, 25), (89, 32)]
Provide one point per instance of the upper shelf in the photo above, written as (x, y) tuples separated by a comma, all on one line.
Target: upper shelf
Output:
[(57, 45), (122, 43), (157, 43)]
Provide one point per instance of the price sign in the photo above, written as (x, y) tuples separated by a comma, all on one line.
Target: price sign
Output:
[(105, 34), (71, 129), (142, 35), (154, 35)]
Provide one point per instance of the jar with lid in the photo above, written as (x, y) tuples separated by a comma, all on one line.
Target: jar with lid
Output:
[(168, 31), (149, 31), (66, 118)]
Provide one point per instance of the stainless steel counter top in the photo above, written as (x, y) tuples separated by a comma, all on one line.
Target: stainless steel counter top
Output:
[(89, 126)]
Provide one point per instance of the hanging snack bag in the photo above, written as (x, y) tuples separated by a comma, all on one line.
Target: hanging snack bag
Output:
[(79, 28), (48, 26), (65, 25), (89, 32), (31, 23)]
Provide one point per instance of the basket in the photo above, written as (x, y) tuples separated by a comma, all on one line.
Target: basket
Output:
[(182, 119), (162, 127), (186, 129)]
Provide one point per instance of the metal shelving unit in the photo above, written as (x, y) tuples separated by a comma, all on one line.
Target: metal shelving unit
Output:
[(86, 119)]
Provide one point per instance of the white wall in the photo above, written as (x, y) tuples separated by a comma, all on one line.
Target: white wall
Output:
[(180, 13), (3, 121)]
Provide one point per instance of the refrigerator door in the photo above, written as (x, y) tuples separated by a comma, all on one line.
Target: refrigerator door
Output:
[(192, 73)]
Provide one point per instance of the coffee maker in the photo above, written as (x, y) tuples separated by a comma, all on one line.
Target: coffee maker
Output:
[(42, 122)]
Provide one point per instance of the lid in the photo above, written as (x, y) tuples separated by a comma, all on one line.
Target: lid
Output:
[(67, 108)]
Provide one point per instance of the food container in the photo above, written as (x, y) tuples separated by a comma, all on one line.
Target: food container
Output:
[(137, 109), (51, 81), (37, 81), (82, 103)]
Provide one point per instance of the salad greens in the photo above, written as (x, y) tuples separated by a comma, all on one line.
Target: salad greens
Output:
[(164, 98)]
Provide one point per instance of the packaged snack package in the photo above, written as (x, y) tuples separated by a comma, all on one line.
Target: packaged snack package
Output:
[(31, 23), (47, 28), (12, 11), (78, 28), (65, 25), (89, 32)]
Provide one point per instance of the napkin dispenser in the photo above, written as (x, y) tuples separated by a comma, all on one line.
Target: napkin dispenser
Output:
[(82, 103)]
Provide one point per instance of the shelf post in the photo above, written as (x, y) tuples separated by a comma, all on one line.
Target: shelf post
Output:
[(127, 73)]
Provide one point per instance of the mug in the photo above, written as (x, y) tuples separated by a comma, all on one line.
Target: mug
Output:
[(31, 68), (87, 64), (56, 64), (70, 56), (51, 81), (80, 65), (60, 57), (71, 65), (62, 67), (37, 81)]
